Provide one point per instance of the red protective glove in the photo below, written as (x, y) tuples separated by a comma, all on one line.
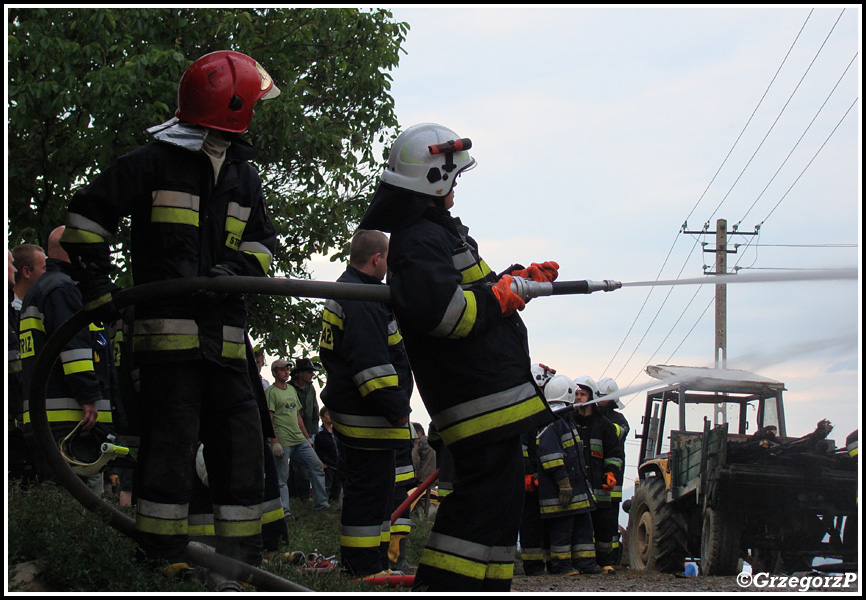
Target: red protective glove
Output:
[(508, 300), (546, 271), (609, 481)]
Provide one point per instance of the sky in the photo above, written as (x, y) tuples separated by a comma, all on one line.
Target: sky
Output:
[(600, 131)]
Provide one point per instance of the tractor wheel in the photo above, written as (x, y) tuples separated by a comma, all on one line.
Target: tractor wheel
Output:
[(656, 532), (720, 543)]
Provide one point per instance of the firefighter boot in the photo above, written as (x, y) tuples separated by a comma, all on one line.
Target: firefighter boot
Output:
[(397, 555), (184, 572)]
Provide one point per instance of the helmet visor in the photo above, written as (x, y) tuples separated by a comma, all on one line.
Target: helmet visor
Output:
[(267, 82)]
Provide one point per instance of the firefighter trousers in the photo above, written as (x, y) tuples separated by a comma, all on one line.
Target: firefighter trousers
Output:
[(583, 543), (606, 527), (275, 532), (365, 521), (532, 542), (471, 546), (182, 404)]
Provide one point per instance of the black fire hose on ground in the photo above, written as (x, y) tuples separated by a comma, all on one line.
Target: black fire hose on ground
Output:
[(185, 287), (226, 566)]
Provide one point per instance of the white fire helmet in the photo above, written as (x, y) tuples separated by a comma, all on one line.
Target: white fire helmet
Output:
[(542, 374), (606, 386), (89, 452), (588, 383), (427, 158), (559, 389)]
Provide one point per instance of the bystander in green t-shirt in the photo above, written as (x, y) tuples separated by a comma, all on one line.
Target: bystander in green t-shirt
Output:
[(285, 406)]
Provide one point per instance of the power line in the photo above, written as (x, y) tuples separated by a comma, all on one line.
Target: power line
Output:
[(805, 245), (799, 140), (810, 162), (700, 199), (703, 313), (765, 137), (784, 269), (784, 60), (773, 126)]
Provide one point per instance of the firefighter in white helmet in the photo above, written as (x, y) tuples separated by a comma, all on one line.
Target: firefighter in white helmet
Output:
[(604, 459), (564, 499), (542, 374), (460, 324), (610, 409)]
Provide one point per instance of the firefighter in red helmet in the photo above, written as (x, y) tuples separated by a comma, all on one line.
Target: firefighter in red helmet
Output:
[(197, 209)]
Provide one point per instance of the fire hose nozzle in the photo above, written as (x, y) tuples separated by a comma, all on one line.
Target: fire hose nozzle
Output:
[(528, 289), (607, 285)]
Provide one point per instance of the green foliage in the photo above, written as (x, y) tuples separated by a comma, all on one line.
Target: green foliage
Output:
[(80, 552), (85, 83), (77, 550)]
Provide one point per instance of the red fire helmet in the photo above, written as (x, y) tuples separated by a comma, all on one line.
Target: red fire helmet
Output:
[(220, 89)]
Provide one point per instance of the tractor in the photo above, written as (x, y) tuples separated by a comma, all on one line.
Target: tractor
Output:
[(738, 489)]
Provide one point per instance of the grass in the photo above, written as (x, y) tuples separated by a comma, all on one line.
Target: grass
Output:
[(79, 552)]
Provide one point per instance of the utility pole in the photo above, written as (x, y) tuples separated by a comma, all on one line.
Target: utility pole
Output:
[(720, 350)]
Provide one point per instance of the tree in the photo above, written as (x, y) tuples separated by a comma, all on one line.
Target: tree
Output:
[(85, 84)]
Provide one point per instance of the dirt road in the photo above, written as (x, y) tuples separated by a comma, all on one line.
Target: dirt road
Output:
[(641, 582)]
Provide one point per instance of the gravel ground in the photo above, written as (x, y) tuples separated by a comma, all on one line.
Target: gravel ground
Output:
[(628, 581)]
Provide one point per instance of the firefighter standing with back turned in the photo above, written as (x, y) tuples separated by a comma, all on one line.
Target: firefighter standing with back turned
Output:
[(367, 394), (470, 356), (197, 209)]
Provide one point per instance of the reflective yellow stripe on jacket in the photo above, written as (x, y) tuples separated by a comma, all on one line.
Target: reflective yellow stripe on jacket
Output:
[(164, 334), (368, 427), (488, 412), (459, 317), (375, 378), (470, 269), (61, 410)]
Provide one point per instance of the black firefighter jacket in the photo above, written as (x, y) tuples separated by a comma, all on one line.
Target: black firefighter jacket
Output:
[(560, 455), (471, 364), (369, 379), (183, 224), (84, 373), (603, 452)]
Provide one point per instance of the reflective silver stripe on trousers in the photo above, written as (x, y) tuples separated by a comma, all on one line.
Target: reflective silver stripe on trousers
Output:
[(158, 510)]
